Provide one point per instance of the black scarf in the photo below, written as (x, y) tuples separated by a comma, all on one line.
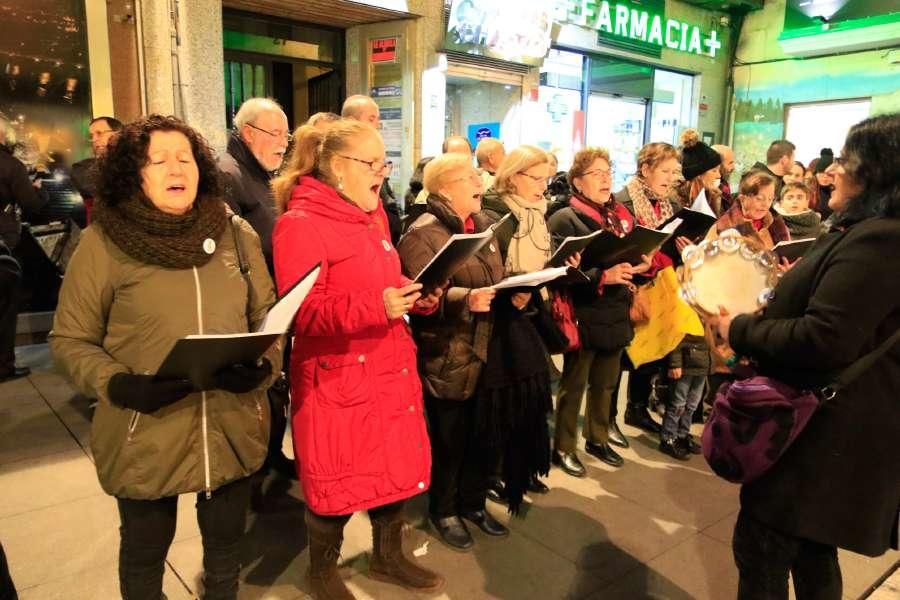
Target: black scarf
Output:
[(151, 236), (515, 398)]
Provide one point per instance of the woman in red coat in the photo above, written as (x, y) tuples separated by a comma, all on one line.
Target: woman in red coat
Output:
[(358, 426)]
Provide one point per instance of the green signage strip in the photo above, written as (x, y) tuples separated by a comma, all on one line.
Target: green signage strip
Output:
[(628, 22)]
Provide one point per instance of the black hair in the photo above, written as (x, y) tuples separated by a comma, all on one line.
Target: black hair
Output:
[(114, 123), (871, 157)]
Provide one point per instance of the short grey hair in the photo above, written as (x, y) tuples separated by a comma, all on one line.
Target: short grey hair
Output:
[(354, 104), (252, 108)]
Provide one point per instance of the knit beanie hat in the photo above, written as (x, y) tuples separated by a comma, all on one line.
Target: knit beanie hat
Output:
[(696, 157), (826, 157)]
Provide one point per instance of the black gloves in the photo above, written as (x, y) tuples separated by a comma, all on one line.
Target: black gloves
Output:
[(240, 378), (145, 393)]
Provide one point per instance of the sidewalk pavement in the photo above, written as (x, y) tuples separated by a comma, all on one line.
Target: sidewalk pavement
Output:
[(656, 528)]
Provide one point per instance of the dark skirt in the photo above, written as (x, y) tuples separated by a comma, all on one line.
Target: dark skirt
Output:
[(515, 400)]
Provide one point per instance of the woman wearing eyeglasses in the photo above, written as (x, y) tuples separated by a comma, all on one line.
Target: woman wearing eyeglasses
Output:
[(359, 432), (836, 486), (516, 394), (751, 214), (452, 341), (602, 310)]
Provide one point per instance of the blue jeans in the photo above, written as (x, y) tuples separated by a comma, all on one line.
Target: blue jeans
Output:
[(684, 401)]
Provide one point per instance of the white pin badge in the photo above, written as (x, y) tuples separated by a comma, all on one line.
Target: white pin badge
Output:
[(387, 245), (209, 245)]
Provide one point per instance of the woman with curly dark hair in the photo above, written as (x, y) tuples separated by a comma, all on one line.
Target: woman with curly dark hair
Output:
[(160, 262)]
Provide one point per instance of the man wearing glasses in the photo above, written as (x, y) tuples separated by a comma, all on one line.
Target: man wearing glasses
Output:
[(100, 132), (256, 149)]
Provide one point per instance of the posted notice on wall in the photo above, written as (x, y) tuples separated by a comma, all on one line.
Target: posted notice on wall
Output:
[(392, 134)]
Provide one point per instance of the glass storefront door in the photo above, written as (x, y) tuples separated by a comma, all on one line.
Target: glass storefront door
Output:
[(617, 124), (672, 95), (483, 104)]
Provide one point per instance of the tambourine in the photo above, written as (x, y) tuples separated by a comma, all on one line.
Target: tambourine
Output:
[(732, 272)]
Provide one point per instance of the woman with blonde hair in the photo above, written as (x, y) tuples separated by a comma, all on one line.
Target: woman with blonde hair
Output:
[(359, 432), (452, 341), (517, 395)]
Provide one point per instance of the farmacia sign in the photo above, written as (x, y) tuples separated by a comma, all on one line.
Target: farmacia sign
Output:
[(626, 21)]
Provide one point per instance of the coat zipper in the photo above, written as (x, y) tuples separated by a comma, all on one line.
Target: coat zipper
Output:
[(203, 394), (133, 425)]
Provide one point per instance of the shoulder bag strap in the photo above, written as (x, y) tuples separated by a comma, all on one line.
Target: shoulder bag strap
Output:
[(860, 366), (242, 262)]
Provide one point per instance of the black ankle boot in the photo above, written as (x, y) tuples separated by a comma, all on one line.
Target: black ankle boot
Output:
[(640, 417)]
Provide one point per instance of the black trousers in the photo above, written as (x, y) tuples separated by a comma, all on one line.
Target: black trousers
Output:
[(10, 282), (764, 557), (461, 463), (148, 526), (639, 384), (7, 589)]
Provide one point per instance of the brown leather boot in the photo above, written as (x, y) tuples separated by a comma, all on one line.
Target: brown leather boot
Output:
[(325, 539), (390, 564)]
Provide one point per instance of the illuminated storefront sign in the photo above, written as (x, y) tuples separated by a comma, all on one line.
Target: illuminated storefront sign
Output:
[(622, 20), (491, 28)]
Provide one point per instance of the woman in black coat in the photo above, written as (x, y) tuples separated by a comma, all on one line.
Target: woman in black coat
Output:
[(838, 484)]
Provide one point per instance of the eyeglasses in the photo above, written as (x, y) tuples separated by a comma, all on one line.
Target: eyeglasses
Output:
[(534, 178), (275, 134), (378, 167), (599, 173), (470, 178)]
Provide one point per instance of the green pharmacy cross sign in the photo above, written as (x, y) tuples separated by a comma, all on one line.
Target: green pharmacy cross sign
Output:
[(636, 23)]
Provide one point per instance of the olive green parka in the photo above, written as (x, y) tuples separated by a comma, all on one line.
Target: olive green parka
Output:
[(117, 314)]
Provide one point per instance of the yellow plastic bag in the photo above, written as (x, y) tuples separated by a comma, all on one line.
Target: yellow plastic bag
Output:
[(671, 318)]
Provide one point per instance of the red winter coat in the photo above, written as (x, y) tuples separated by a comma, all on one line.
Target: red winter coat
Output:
[(358, 426)]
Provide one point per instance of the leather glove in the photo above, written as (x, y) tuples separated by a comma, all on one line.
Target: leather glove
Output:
[(145, 393), (242, 378)]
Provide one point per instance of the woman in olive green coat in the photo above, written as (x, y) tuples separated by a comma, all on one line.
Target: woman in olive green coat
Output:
[(160, 263)]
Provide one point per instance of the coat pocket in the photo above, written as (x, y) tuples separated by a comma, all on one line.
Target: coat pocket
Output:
[(342, 381)]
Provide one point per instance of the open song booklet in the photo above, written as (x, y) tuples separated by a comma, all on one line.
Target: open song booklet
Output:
[(453, 254), (536, 279), (793, 249), (608, 249), (198, 357)]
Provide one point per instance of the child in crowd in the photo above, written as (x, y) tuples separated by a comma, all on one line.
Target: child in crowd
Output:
[(801, 220), (689, 364)]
